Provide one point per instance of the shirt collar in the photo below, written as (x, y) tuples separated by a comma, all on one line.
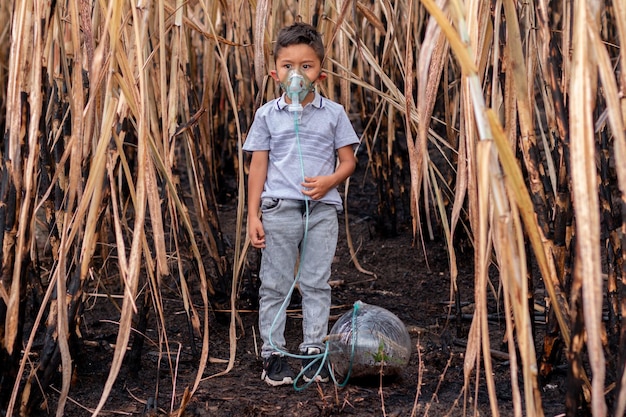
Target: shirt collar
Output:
[(317, 101)]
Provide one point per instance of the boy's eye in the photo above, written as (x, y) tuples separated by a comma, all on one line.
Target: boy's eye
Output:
[(287, 66), (306, 66)]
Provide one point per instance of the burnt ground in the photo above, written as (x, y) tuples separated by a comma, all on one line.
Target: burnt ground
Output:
[(412, 283)]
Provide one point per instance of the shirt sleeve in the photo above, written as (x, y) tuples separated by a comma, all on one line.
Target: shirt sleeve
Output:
[(258, 138), (345, 134)]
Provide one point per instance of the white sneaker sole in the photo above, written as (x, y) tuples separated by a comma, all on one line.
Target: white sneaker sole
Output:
[(316, 379), (276, 383)]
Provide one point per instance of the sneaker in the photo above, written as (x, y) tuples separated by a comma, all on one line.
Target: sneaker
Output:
[(276, 371), (311, 367)]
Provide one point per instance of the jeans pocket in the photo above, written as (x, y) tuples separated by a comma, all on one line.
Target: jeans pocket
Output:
[(270, 204)]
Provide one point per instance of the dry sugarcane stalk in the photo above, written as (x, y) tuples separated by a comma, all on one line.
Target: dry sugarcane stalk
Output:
[(489, 197), (617, 120), (561, 236), (231, 99), (575, 369), (528, 143), (608, 229), (529, 399), (461, 44), (434, 50), (5, 34), (46, 176), (614, 265), (21, 143), (91, 189), (517, 278), (533, 166), (418, 157), (140, 18), (584, 186)]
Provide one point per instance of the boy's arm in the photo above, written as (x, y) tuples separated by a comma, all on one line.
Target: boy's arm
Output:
[(256, 181), (318, 187)]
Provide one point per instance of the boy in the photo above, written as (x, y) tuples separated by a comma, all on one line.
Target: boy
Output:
[(293, 183)]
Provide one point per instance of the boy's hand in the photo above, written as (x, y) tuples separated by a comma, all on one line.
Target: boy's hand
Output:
[(256, 232), (317, 187)]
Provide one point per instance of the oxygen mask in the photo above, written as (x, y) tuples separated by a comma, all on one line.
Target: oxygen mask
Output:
[(297, 86)]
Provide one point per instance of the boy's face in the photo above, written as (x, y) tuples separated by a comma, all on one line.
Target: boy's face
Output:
[(301, 57)]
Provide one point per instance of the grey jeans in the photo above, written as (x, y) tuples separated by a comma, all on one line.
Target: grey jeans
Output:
[(284, 222)]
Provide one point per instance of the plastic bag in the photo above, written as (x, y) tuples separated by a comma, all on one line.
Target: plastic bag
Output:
[(367, 340)]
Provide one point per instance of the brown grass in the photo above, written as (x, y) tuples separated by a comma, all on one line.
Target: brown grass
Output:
[(105, 106)]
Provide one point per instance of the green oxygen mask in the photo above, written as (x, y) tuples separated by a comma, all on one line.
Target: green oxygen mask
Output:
[(297, 86)]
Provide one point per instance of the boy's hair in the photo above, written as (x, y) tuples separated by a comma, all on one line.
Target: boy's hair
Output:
[(297, 34)]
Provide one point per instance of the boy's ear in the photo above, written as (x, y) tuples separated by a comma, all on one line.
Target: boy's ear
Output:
[(274, 75), (322, 76)]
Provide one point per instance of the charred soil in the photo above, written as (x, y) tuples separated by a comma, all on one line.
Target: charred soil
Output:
[(409, 279)]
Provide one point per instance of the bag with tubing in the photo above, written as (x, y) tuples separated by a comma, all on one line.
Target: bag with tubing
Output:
[(367, 340)]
